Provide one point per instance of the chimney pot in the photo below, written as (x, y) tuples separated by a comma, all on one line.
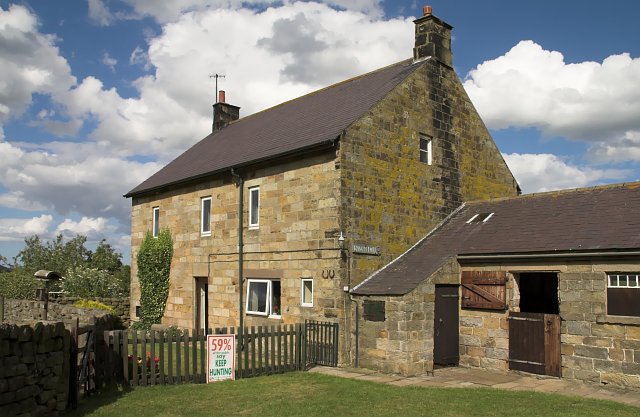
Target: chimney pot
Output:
[(427, 10), (221, 96)]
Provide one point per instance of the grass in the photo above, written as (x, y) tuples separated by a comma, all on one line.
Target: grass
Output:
[(307, 395)]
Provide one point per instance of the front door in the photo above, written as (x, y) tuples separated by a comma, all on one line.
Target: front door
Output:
[(200, 298), (446, 326)]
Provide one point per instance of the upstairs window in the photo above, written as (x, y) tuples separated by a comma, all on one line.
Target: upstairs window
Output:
[(623, 294), (156, 221), (426, 156), (205, 216), (254, 207), (263, 297)]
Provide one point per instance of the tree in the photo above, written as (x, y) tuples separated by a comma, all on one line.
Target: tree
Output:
[(106, 258), (98, 274), (55, 255)]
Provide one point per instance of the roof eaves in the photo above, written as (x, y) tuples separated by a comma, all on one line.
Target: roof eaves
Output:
[(298, 151)]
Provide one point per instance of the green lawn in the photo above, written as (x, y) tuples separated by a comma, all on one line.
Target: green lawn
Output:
[(307, 394)]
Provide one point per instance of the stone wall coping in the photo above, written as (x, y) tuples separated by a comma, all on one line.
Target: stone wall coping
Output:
[(628, 320)]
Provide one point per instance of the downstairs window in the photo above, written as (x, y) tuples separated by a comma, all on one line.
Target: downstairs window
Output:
[(623, 294), (263, 297)]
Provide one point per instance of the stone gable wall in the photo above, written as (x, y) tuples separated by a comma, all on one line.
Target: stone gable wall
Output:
[(34, 369), (388, 197)]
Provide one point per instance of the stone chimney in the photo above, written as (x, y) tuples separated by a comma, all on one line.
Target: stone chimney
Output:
[(223, 113), (433, 38)]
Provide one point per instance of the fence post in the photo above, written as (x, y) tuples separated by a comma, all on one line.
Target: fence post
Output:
[(1, 308)]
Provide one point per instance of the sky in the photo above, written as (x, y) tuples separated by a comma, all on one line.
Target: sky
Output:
[(97, 95)]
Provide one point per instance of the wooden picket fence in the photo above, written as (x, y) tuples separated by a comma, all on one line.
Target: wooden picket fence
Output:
[(139, 357)]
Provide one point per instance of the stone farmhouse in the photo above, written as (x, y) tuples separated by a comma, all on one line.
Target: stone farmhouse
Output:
[(545, 283), (275, 217)]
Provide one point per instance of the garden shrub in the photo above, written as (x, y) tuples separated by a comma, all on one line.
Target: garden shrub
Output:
[(93, 304), (154, 265), (86, 282)]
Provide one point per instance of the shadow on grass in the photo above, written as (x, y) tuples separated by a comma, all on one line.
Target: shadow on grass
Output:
[(106, 396)]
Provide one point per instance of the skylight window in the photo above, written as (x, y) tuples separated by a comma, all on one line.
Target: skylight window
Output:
[(480, 218)]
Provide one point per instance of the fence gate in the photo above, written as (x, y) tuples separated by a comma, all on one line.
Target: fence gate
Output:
[(534, 343), (321, 343)]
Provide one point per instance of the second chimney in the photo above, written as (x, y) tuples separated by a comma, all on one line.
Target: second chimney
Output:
[(223, 113), (433, 38)]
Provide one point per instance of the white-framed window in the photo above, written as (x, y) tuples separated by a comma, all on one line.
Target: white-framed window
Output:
[(156, 221), (254, 207), (623, 294), (426, 155), (306, 292), (205, 216), (263, 297)]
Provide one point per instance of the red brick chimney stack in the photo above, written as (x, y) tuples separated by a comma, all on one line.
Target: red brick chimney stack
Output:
[(221, 98)]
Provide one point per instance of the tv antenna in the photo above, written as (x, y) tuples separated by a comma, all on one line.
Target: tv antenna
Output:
[(216, 76)]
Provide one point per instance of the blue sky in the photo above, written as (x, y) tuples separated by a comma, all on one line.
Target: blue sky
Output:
[(96, 95)]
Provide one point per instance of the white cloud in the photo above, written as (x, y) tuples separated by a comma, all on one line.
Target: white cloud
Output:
[(171, 11), (16, 200), (99, 12), (109, 61), (18, 229), (546, 172), (533, 87), (88, 226), (29, 63)]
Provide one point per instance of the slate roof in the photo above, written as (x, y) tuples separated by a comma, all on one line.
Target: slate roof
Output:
[(308, 121), (597, 219)]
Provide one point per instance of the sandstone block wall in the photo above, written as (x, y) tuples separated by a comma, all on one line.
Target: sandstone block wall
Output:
[(34, 369), (595, 347), (403, 343), (391, 199), (298, 212)]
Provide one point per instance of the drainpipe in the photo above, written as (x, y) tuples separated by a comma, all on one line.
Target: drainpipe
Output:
[(240, 184)]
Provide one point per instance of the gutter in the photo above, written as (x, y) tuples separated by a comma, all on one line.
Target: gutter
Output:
[(597, 254)]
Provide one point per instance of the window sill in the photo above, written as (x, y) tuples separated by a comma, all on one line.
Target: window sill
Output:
[(274, 316), (306, 305), (629, 320), (206, 234), (254, 227)]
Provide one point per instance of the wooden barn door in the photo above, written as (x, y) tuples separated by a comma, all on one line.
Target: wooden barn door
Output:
[(534, 343), (534, 332), (446, 326)]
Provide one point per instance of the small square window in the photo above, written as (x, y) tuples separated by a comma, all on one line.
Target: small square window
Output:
[(205, 216), (254, 207), (425, 149), (306, 293), (263, 297), (156, 221)]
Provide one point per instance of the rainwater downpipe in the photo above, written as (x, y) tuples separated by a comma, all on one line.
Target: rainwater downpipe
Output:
[(240, 184)]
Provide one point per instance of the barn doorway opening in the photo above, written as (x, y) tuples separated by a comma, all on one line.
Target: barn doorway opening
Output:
[(539, 292)]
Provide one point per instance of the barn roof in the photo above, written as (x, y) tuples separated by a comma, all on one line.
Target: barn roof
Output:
[(590, 221)]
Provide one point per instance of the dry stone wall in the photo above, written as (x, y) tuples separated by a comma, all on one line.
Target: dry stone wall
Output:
[(34, 369), (120, 306), (28, 311)]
